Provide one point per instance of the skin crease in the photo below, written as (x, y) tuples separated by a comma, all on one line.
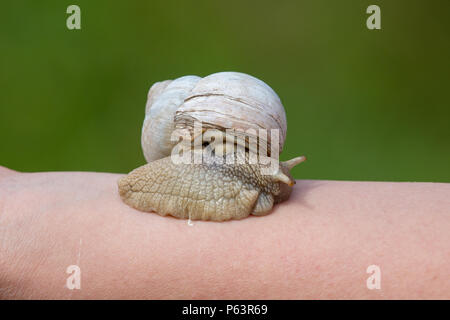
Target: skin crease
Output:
[(316, 245)]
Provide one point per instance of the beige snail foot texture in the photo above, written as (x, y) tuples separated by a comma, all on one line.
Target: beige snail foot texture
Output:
[(207, 191)]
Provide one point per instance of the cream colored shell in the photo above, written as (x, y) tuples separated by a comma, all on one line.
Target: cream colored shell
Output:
[(164, 99), (224, 100)]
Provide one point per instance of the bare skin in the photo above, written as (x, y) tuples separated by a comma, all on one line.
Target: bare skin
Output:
[(317, 245)]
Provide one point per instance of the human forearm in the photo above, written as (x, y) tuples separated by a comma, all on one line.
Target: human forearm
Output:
[(317, 245)]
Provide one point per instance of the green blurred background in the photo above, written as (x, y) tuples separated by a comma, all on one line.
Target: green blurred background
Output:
[(361, 104)]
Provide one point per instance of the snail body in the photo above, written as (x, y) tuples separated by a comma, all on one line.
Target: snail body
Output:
[(226, 104)]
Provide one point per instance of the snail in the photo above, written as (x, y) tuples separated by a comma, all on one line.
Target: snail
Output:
[(240, 118)]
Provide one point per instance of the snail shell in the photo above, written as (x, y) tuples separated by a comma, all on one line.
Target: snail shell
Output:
[(224, 100), (212, 189)]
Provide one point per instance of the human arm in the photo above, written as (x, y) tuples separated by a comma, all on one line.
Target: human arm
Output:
[(317, 245)]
